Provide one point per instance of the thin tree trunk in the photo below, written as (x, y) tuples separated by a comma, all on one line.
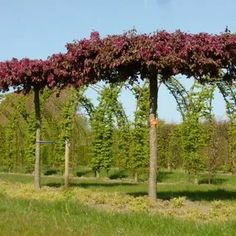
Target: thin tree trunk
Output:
[(67, 155), (37, 178), (136, 176), (152, 185), (196, 181), (209, 178), (168, 166), (97, 174)]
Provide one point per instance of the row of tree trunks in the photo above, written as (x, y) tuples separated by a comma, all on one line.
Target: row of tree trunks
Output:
[(37, 167), (152, 188)]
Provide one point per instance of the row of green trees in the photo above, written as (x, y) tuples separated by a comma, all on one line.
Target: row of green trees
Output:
[(60, 121), (107, 139)]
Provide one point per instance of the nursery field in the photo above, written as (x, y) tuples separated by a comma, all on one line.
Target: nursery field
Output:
[(89, 144), (117, 206)]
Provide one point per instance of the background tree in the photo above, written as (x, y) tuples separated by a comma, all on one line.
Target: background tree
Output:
[(194, 137), (102, 124), (139, 146), (122, 57), (229, 94)]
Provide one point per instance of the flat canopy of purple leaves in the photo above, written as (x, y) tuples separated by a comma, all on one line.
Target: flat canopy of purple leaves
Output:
[(126, 57)]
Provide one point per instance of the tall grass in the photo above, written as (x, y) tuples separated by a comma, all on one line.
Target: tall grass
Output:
[(31, 217), (68, 216)]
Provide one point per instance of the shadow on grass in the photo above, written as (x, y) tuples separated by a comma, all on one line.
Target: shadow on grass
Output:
[(88, 185), (216, 181), (197, 195), (162, 176)]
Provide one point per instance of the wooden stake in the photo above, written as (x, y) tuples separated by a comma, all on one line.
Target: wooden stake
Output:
[(67, 155)]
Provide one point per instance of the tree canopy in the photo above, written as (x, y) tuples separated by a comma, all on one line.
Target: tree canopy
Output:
[(126, 57)]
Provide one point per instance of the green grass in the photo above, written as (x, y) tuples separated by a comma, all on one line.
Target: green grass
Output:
[(171, 185), (20, 216), (31, 217)]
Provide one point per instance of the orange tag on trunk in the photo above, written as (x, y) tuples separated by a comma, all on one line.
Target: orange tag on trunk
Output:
[(153, 121)]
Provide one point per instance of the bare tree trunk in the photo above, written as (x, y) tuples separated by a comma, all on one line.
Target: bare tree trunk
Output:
[(67, 155), (97, 174), (152, 185), (168, 165), (136, 176), (37, 178)]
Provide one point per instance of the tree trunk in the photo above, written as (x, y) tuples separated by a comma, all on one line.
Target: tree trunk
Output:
[(37, 178), (136, 176), (97, 174), (196, 181), (209, 178), (168, 165), (152, 185), (67, 155)]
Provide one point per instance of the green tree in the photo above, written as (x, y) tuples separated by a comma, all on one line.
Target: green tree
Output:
[(107, 116), (139, 148), (194, 137)]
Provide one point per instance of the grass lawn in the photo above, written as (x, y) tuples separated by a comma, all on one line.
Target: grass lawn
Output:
[(92, 207)]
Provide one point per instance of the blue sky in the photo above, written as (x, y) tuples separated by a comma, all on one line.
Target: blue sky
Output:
[(39, 28)]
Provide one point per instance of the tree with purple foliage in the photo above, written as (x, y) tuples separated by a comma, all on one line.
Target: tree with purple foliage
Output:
[(126, 58)]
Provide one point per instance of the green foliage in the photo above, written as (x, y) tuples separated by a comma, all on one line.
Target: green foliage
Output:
[(199, 144), (11, 147), (174, 150), (194, 136), (139, 147), (232, 145), (118, 174), (193, 143), (232, 137), (228, 92), (68, 113), (178, 91), (102, 124), (18, 131), (50, 172)]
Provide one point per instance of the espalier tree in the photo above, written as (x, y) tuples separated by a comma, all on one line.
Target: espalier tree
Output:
[(66, 124), (194, 136), (125, 57), (74, 99), (175, 150), (228, 92), (29, 138), (16, 133), (121, 135), (103, 120), (11, 143), (21, 107), (139, 146)]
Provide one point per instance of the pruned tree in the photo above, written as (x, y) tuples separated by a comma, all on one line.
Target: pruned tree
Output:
[(139, 146), (108, 111), (194, 137), (125, 57), (229, 94)]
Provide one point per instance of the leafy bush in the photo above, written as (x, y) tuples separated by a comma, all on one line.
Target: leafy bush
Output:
[(178, 202), (118, 174), (83, 171), (50, 172)]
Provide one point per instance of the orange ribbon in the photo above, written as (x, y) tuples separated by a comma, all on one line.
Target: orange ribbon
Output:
[(153, 121)]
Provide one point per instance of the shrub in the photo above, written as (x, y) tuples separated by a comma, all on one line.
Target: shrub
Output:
[(83, 171), (118, 174), (50, 172)]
